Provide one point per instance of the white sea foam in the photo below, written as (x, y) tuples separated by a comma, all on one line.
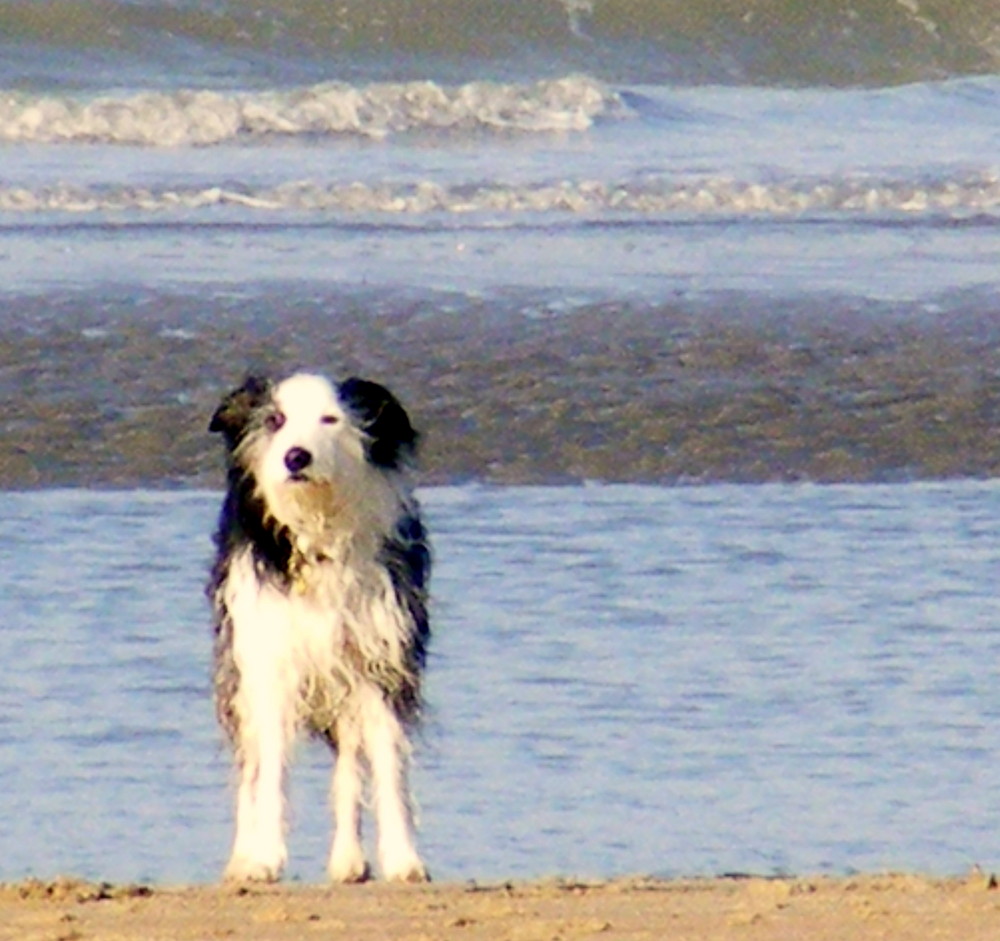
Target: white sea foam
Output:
[(202, 117), (950, 197)]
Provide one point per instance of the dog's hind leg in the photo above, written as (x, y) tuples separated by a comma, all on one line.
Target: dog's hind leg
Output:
[(387, 748), (347, 857)]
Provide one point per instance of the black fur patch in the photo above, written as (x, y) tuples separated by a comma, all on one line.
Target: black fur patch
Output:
[(392, 440), (244, 519), (407, 557), (233, 416)]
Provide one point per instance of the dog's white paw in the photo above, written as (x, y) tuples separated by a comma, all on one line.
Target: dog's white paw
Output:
[(406, 870), (244, 869), (349, 867)]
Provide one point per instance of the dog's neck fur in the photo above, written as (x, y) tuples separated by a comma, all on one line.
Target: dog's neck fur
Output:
[(323, 524)]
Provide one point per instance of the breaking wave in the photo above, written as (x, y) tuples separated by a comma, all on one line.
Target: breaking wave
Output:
[(204, 117), (978, 194)]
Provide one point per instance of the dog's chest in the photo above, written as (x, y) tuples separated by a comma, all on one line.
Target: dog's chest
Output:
[(329, 605), (313, 639), (327, 617), (343, 632)]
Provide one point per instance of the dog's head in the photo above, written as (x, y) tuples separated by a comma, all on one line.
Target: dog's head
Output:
[(311, 445)]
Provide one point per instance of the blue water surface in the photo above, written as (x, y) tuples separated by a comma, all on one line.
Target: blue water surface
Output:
[(624, 679)]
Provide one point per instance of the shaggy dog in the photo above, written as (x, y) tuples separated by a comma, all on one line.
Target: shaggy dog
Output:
[(320, 611)]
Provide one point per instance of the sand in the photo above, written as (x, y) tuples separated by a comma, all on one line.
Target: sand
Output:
[(659, 394), (898, 907)]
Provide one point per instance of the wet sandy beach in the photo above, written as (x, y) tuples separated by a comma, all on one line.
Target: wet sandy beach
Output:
[(657, 394), (900, 907)]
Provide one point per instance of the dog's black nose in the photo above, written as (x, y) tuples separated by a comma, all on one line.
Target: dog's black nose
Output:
[(297, 460)]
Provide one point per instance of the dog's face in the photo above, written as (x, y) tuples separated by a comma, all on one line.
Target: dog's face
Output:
[(310, 445), (307, 437)]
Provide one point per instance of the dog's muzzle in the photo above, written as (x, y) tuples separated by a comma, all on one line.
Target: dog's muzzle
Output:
[(297, 460)]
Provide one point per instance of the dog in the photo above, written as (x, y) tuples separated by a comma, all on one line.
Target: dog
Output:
[(320, 610)]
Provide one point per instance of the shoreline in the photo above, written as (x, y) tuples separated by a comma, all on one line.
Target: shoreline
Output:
[(901, 906), (661, 394)]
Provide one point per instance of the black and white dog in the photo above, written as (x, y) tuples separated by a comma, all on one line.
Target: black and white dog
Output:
[(320, 608)]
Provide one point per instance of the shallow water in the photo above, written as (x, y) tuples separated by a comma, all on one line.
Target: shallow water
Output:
[(569, 186), (601, 150), (624, 679)]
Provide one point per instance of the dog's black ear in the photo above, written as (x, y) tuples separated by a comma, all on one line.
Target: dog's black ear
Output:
[(234, 411), (391, 438)]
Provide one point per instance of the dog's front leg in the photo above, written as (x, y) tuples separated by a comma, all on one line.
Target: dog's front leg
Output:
[(347, 857), (388, 751), (264, 704), (259, 852)]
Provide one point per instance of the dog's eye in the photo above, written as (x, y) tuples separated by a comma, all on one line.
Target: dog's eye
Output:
[(274, 421), (330, 419)]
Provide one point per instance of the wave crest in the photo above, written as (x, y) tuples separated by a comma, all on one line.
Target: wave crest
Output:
[(204, 118), (976, 194)]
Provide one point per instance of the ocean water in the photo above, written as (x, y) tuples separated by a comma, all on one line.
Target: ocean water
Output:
[(624, 679), (538, 152)]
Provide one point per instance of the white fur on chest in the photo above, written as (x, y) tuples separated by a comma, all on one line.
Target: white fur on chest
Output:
[(311, 645)]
